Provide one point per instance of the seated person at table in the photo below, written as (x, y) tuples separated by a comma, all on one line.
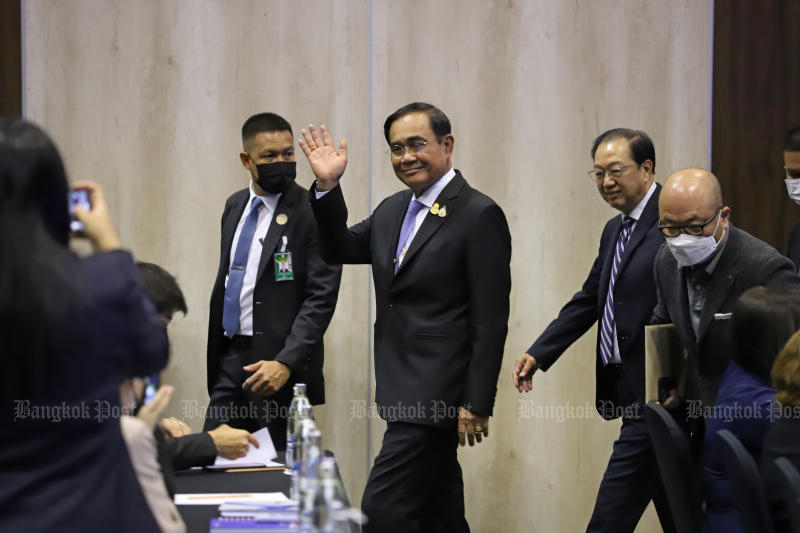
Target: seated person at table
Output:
[(71, 330), (783, 439), (763, 319), (145, 454), (184, 448)]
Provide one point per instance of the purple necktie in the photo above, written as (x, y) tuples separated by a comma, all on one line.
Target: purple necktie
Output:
[(405, 232)]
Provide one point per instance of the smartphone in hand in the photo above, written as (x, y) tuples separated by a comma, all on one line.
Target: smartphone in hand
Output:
[(77, 197)]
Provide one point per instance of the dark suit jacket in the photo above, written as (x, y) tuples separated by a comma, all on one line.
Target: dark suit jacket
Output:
[(441, 322), (634, 299), (746, 404), (745, 262), (75, 474), (197, 449), (793, 250), (289, 317)]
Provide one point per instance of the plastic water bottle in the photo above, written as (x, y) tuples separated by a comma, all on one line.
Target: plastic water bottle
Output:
[(304, 423), (299, 398), (329, 515), (309, 479)]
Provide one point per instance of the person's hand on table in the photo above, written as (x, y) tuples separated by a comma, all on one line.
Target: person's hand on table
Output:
[(172, 427), (232, 443)]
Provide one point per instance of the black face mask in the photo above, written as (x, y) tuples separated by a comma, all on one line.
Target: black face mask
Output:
[(275, 177)]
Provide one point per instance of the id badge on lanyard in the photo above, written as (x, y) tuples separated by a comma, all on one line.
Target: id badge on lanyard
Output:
[(283, 263)]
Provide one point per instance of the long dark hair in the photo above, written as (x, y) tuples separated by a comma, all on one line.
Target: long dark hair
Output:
[(38, 285), (763, 320)]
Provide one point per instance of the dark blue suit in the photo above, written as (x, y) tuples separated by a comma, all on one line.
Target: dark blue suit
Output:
[(631, 479), (745, 407), (75, 474)]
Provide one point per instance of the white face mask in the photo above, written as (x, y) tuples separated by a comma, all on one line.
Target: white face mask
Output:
[(793, 187), (691, 250)]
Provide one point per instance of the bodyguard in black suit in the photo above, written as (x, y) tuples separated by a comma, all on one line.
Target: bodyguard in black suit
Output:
[(440, 255), (618, 295), (274, 296)]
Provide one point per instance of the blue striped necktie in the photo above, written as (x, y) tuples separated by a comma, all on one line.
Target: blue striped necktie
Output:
[(608, 328), (233, 290)]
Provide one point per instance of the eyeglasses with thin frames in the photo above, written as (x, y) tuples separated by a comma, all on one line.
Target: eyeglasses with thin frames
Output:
[(598, 174), (416, 146), (690, 229)]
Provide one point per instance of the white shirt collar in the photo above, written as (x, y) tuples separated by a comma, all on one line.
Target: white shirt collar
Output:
[(430, 196), (636, 214), (270, 200)]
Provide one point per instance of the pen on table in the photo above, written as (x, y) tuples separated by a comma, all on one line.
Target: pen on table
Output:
[(259, 469)]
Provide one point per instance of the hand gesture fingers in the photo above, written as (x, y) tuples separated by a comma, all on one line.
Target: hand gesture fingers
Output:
[(326, 161), (150, 413), (306, 143), (317, 138)]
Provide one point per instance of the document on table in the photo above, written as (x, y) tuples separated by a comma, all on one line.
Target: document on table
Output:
[(256, 457), (218, 498)]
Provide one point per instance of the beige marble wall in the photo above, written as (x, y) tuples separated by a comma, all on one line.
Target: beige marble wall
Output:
[(147, 97)]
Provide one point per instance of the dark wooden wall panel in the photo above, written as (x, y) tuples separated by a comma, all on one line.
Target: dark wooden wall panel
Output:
[(756, 99), (10, 59)]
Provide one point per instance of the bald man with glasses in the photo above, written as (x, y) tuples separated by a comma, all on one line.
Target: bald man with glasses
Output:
[(702, 270)]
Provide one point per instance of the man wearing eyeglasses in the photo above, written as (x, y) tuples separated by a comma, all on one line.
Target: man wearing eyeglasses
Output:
[(440, 254), (791, 165), (618, 295), (701, 272)]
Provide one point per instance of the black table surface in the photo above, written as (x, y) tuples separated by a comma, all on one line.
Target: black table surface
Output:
[(198, 517)]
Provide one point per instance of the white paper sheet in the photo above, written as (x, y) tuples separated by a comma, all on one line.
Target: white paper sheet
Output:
[(261, 456), (218, 498)]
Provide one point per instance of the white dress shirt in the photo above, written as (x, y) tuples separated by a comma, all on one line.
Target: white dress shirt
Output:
[(636, 214), (253, 257), (428, 198)]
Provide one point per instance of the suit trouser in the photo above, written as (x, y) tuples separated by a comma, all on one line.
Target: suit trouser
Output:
[(631, 478), (244, 409), (415, 485)]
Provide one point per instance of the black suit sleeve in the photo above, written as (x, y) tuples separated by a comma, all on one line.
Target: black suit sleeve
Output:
[(574, 319), (489, 281), (197, 449), (793, 247), (316, 311), (660, 313), (137, 341), (340, 245), (780, 272)]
